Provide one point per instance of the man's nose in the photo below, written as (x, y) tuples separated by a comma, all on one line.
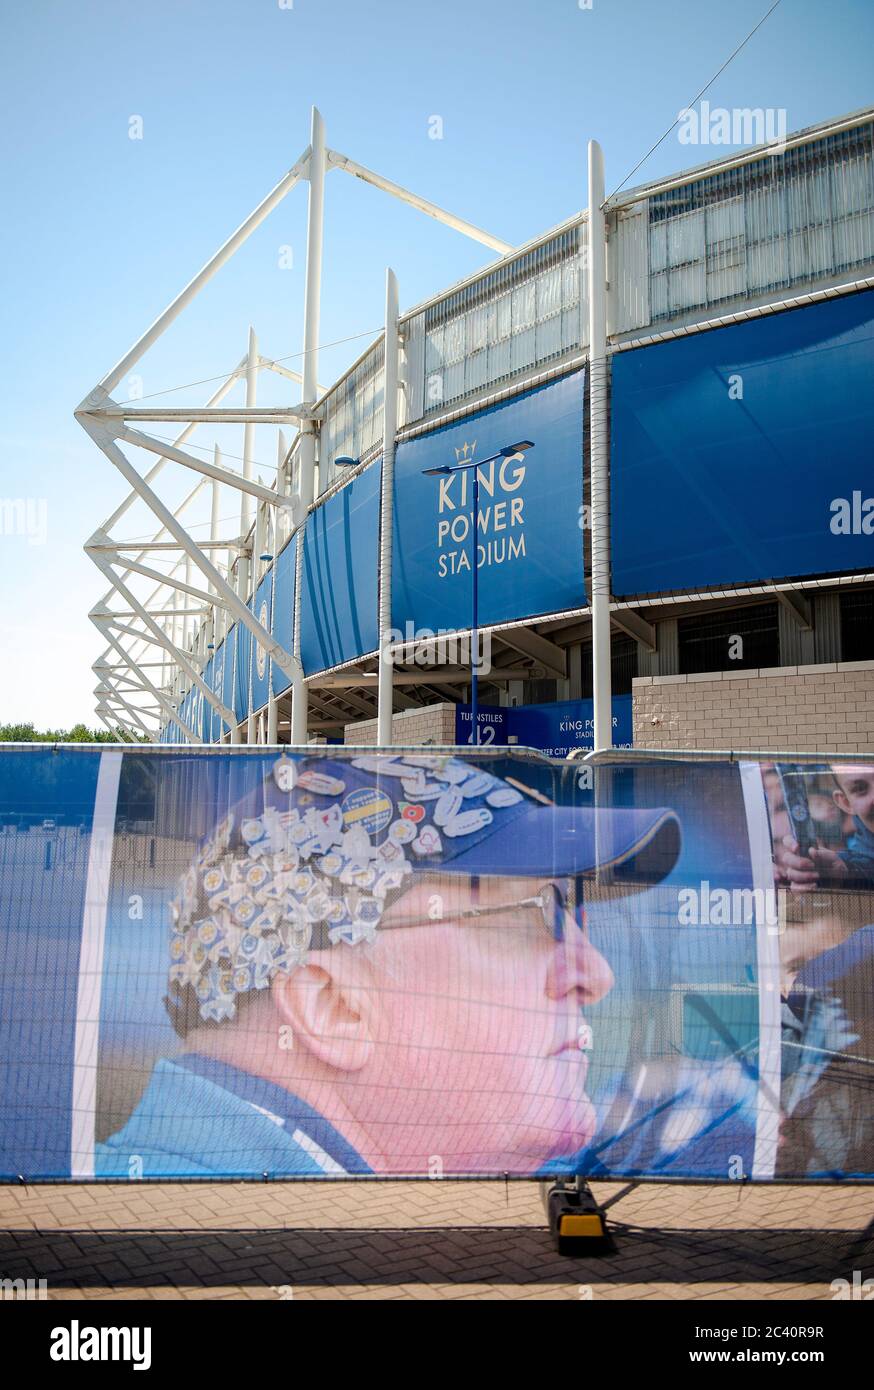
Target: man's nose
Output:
[(577, 966)]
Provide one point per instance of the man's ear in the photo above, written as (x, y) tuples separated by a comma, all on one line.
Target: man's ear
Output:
[(331, 1017)]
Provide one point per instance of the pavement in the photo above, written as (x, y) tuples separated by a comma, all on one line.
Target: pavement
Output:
[(427, 1240)]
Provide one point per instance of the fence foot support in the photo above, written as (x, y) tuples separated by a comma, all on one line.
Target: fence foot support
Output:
[(577, 1223)]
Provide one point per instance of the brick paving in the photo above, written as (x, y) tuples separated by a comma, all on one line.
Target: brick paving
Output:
[(426, 1241)]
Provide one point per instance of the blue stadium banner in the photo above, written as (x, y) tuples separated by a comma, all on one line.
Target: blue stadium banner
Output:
[(260, 674), (743, 453), (336, 963), (530, 536), (214, 675), (228, 667), (242, 670), (206, 709), (340, 558), (283, 611)]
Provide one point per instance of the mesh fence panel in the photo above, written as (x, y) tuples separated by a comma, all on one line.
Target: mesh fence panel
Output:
[(423, 963)]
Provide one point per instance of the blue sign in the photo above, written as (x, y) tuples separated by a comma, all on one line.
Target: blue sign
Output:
[(204, 727), (554, 728), (567, 724), (229, 647), (263, 610), (529, 528), (213, 726), (744, 453), (283, 610), (241, 670), (340, 565)]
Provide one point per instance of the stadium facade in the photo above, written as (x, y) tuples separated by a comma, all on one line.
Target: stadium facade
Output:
[(702, 470)]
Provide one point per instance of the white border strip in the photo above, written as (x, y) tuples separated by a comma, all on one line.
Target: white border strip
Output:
[(767, 974), (91, 967)]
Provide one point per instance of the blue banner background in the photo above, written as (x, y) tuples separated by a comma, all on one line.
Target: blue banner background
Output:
[(283, 611), (339, 608), (261, 684), (711, 490)]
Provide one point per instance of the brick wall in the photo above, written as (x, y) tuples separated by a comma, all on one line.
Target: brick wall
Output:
[(805, 709), (431, 724)]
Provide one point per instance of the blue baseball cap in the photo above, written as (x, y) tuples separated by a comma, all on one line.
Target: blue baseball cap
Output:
[(453, 815)]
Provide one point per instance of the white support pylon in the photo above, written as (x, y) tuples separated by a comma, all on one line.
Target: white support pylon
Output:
[(312, 318), (385, 698), (166, 704), (249, 430), (182, 659), (186, 636), (602, 678), (175, 528)]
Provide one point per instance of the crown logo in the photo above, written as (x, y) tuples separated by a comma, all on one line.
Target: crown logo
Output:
[(465, 454)]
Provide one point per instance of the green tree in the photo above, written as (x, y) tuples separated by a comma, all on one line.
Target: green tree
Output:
[(26, 733)]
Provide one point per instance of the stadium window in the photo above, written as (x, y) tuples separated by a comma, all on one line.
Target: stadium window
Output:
[(857, 624), (623, 665), (742, 638)]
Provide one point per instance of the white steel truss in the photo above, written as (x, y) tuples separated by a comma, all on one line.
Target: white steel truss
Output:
[(180, 621)]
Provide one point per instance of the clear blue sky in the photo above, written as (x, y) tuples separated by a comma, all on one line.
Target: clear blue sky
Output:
[(100, 231)]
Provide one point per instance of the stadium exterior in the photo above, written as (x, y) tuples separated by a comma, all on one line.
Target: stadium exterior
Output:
[(693, 364)]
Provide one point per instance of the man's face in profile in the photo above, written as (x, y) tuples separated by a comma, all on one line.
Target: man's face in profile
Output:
[(476, 1028)]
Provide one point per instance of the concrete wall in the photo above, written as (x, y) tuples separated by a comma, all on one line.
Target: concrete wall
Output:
[(805, 709), (430, 724)]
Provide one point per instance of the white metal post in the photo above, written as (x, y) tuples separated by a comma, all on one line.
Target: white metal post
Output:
[(298, 685), (312, 313), (215, 510), (385, 704), (249, 430), (187, 623), (313, 290), (282, 490), (598, 472), (245, 566), (342, 161)]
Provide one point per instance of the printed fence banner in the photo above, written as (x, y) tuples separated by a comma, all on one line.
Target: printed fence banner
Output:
[(332, 963)]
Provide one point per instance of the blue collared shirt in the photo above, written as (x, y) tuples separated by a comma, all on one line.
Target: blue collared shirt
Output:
[(859, 854), (200, 1118)]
